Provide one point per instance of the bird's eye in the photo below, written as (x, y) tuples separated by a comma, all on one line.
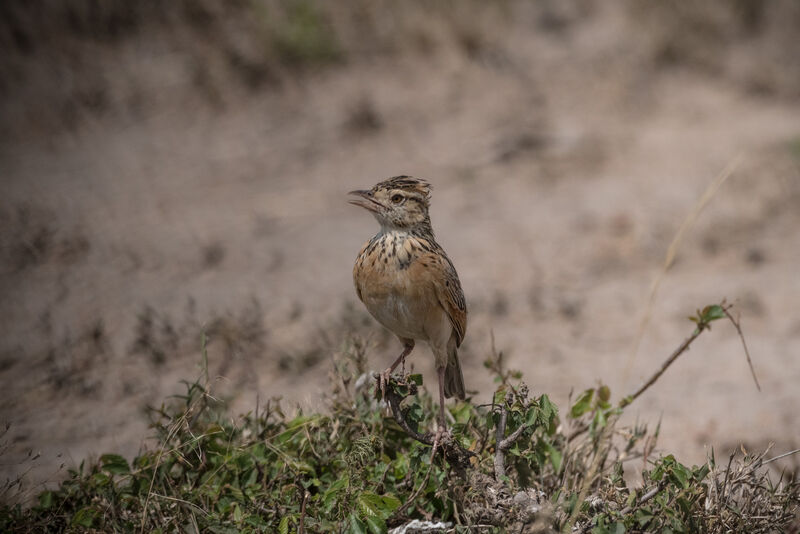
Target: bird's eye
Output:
[(397, 199)]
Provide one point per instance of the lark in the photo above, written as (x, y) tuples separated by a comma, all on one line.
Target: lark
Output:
[(408, 283)]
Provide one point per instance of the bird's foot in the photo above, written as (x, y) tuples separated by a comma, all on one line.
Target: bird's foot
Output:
[(383, 381), (442, 432)]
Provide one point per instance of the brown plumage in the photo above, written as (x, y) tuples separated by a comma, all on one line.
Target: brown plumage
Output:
[(408, 283)]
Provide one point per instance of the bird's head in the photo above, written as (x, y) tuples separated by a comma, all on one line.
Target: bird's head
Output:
[(398, 203)]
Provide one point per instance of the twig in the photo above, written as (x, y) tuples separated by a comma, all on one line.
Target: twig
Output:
[(192, 505), (499, 453), (424, 481), (744, 344), (394, 401), (301, 529), (504, 444), (644, 498), (784, 455), (680, 350)]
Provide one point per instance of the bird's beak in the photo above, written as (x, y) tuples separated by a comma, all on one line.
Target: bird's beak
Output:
[(364, 200)]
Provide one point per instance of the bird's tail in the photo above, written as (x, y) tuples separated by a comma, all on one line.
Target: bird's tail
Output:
[(453, 379)]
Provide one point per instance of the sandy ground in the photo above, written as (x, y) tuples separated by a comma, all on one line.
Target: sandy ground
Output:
[(562, 170)]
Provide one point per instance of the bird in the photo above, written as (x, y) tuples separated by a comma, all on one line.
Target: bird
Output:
[(407, 282)]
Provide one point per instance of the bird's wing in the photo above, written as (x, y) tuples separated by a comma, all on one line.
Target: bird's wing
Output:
[(448, 292)]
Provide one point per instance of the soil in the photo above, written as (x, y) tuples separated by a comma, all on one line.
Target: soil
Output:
[(564, 159)]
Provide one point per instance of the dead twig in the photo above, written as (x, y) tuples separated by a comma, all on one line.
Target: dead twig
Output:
[(644, 498), (703, 322), (735, 322), (301, 529), (683, 347), (784, 455)]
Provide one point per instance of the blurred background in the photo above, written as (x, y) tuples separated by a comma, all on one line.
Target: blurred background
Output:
[(168, 168)]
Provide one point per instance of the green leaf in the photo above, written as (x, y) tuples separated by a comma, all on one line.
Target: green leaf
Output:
[(283, 526), (416, 378), (356, 525), (84, 517), (598, 421), (712, 313), (532, 415), (376, 525), (46, 499), (115, 464), (701, 472), (329, 497), (583, 404), (681, 474), (555, 457), (372, 505)]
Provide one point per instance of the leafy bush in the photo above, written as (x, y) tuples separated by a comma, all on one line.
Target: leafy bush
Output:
[(515, 464)]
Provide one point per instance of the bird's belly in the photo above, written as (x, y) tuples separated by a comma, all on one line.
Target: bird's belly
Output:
[(402, 315)]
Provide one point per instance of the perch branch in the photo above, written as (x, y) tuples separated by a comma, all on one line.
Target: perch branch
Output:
[(455, 455), (394, 401)]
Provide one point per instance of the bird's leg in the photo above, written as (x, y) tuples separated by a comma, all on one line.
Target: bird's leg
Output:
[(383, 379), (442, 424)]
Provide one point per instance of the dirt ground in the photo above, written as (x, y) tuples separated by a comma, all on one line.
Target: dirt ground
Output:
[(564, 154)]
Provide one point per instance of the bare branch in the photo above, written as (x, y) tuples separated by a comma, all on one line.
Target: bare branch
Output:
[(744, 344), (301, 529), (499, 453), (669, 361), (644, 498), (503, 444), (784, 455)]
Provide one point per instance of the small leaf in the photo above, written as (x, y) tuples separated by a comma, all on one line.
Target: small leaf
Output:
[(283, 526), (712, 313), (115, 464), (376, 525), (555, 457), (583, 404), (373, 505), (416, 378), (604, 393), (356, 525), (84, 517), (46, 499)]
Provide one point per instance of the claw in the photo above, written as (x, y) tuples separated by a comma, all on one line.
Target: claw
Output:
[(383, 381)]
